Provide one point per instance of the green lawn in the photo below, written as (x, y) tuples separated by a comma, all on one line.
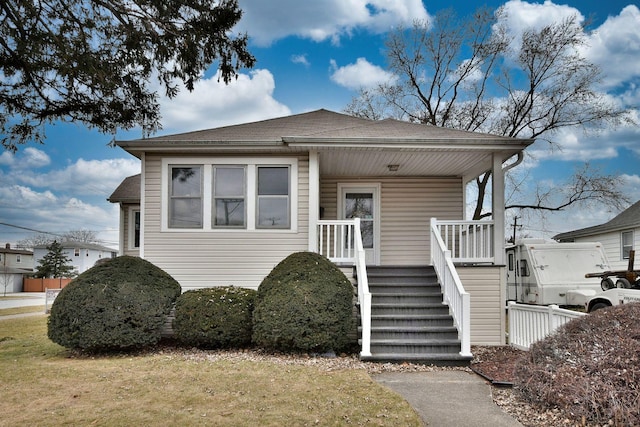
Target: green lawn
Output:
[(44, 384)]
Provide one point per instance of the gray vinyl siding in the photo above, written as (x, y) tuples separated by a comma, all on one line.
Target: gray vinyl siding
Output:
[(219, 258), (485, 286), (407, 206)]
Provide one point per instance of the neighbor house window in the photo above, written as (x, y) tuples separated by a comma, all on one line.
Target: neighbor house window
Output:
[(185, 205), (76, 252), (18, 259), (229, 189), (273, 197), (627, 243)]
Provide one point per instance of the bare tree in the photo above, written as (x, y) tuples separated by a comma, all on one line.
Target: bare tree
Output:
[(81, 235), (470, 75), (42, 239)]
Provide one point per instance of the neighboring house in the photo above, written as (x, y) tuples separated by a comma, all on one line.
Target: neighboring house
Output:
[(83, 256), (14, 264), (223, 206), (618, 237), (128, 195)]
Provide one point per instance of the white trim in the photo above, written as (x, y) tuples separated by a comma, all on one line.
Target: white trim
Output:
[(251, 164), (143, 178), (131, 227), (314, 199), (376, 189)]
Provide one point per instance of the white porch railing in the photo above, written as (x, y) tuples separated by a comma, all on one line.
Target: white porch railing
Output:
[(455, 296), (468, 241), (531, 323), (341, 242)]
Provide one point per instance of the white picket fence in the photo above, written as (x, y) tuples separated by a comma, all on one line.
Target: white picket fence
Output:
[(531, 323)]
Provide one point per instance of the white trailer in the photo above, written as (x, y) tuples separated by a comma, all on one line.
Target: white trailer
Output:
[(546, 272)]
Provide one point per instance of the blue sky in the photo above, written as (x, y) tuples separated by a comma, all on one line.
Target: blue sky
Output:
[(314, 55)]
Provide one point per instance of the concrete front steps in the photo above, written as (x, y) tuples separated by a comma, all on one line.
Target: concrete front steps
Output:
[(409, 322)]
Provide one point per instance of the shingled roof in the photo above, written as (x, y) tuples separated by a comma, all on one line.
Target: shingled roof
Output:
[(321, 125), (128, 191), (629, 218)]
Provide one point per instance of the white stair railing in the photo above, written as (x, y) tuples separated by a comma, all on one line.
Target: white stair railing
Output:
[(468, 241), (458, 300)]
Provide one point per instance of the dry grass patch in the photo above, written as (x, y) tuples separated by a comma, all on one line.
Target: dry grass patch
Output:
[(51, 386), (22, 310)]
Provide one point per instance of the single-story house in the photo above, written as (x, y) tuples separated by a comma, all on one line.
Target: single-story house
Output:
[(618, 236), (83, 255), (223, 206), (14, 264)]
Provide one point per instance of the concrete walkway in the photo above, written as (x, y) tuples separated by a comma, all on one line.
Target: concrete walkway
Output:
[(448, 398)]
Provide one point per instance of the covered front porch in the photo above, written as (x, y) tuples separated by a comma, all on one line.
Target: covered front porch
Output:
[(414, 220)]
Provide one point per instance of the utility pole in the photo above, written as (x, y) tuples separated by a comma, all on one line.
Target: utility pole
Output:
[(515, 226)]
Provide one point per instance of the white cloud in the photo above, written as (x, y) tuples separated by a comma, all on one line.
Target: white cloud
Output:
[(319, 20), (362, 74), (521, 16), (84, 177), (300, 59), (7, 158), (615, 46), (34, 158), (213, 104)]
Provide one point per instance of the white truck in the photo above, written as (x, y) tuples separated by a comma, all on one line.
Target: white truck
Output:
[(544, 272), (625, 288)]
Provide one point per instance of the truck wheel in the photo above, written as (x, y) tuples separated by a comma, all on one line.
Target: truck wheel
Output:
[(607, 284), (623, 283), (598, 306)]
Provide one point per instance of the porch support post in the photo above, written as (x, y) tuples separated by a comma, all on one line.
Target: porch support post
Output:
[(314, 199), (497, 201)]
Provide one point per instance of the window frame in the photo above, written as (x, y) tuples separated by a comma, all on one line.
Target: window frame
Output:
[(215, 198), (251, 164), (133, 211), (625, 253), (260, 197), (172, 197)]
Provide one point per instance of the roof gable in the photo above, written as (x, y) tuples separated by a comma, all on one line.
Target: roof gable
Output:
[(629, 218)]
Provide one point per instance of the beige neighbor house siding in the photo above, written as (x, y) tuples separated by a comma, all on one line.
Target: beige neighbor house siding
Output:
[(485, 285), (407, 206), (201, 259), (612, 246)]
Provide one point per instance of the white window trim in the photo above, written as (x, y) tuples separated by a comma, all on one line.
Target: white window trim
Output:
[(131, 227), (622, 245), (251, 164)]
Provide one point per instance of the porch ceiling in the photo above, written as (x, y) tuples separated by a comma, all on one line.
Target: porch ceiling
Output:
[(410, 163)]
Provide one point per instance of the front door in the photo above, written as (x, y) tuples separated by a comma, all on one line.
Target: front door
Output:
[(363, 202)]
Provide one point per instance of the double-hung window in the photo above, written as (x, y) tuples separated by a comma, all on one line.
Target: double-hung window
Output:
[(229, 196), (627, 243), (273, 197), (185, 205)]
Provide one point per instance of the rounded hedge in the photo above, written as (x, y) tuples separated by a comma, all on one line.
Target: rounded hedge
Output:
[(117, 305), (304, 304), (215, 317)]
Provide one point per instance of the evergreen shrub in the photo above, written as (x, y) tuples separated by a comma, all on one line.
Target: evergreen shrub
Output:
[(118, 305), (304, 304), (215, 317)]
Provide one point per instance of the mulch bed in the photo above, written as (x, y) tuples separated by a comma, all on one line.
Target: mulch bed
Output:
[(496, 364)]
